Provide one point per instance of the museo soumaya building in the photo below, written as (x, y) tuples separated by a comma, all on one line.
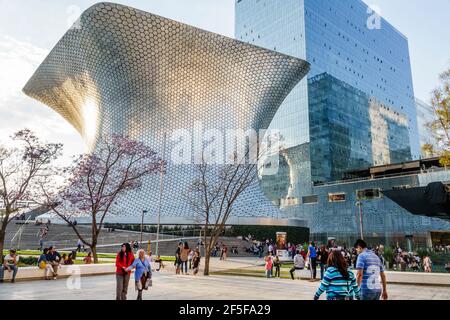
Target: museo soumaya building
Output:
[(331, 76), (124, 71)]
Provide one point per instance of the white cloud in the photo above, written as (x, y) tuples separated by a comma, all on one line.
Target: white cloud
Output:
[(18, 61)]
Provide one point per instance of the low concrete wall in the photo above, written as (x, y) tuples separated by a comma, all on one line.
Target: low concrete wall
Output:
[(34, 273), (414, 278), (433, 279)]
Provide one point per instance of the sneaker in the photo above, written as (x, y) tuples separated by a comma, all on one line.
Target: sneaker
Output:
[(54, 278)]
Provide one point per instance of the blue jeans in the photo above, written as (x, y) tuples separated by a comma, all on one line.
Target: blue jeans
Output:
[(13, 268), (322, 270), (269, 273), (370, 295), (184, 266)]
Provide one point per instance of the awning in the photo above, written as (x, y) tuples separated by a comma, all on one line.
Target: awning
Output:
[(422, 200)]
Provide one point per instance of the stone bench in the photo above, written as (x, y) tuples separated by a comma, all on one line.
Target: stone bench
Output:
[(34, 273)]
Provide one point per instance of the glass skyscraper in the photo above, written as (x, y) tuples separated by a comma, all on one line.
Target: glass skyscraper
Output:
[(425, 116), (345, 40), (355, 110)]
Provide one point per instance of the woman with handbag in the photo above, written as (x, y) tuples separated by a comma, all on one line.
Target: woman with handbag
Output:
[(124, 259), (184, 256), (338, 282), (143, 273)]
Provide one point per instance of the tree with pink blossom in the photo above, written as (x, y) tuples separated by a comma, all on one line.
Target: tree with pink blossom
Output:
[(96, 180), (22, 166)]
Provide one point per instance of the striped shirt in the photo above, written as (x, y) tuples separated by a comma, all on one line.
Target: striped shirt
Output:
[(371, 266), (336, 286)]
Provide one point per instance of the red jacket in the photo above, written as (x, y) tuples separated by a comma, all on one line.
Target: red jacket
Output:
[(125, 262)]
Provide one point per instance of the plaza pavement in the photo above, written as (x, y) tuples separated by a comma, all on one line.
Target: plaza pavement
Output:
[(166, 285)]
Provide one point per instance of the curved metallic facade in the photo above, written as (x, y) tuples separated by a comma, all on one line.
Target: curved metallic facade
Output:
[(121, 70)]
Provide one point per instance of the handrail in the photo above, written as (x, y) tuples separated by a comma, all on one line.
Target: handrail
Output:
[(19, 232), (386, 176), (152, 241)]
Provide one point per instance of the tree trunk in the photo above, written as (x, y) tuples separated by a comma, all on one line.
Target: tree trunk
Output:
[(2, 244), (207, 258), (94, 253), (95, 233)]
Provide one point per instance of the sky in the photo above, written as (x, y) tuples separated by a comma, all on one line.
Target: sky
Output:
[(30, 28)]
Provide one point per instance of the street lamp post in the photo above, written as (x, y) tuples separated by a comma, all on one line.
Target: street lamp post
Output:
[(359, 205), (142, 223), (161, 189)]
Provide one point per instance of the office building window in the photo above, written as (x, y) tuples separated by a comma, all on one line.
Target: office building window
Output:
[(401, 187), (368, 194), (310, 199), (337, 197)]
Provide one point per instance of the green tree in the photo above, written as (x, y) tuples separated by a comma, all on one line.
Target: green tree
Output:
[(440, 128)]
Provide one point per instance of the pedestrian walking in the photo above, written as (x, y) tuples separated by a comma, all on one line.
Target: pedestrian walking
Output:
[(268, 265), (190, 257), (271, 249), (370, 270), (427, 264), (312, 256), (136, 245), (41, 244), (142, 274), (339, 283), (124, 259), (322, 258), (178, 258), (277, 265), (196, 261), (184, 256), (224, 252)]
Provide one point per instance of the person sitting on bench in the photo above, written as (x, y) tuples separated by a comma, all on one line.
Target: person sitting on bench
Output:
[(299, 264)]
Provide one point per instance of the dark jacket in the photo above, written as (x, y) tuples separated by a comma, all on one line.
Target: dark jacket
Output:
[(52, 256)]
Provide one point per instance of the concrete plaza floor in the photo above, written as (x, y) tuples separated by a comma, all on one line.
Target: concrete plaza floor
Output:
[(166, 285)]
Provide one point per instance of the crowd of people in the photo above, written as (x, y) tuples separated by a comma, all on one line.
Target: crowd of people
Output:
[(221, 249), (186, 257), (403, 260), (337, 279), (50, 260), (335, 262)]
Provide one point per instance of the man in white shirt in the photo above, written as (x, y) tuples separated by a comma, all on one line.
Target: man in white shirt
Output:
[(299, 264), (10, 264)]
